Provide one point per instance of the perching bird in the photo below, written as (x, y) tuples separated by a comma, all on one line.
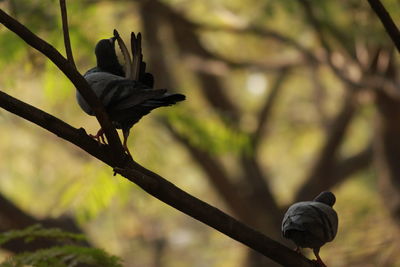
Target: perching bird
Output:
[(310, 224), (125, 100)]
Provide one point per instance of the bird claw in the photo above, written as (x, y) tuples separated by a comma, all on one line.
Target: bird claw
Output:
[(99, 137), (127, 151), (125, 146)]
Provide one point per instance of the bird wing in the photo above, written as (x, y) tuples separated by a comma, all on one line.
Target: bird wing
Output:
[(139, 97), (327, 218), (119, 93), (98, 82), (109, 88), (316, 218)]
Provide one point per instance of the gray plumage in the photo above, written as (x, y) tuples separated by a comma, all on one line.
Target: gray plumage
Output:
[(125, 100), (310, 224)]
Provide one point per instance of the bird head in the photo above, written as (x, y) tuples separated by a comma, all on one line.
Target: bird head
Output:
[(107, 59), (327, 198), (105, 48)]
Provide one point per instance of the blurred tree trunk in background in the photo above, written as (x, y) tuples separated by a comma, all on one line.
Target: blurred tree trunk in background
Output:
[(13, 218), (251, 200), (388, 133), (247, 193)]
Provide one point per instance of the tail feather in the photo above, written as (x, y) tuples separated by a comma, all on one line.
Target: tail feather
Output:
[(166, 100), (173, 98)]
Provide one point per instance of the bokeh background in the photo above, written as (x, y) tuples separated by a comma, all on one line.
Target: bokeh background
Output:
[(284, 99)]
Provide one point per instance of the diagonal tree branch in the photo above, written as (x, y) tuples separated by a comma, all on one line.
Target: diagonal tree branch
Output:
[(387, 22), (56, 126), (67, 42), (75, 77), (213, 217), (158, 186)]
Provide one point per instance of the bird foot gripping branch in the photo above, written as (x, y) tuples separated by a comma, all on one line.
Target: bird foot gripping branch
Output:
[(99, 137), (127, 92)]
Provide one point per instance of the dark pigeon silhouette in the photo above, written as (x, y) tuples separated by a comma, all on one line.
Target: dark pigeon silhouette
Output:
[(310, 224), (106, 58), (125, 100)]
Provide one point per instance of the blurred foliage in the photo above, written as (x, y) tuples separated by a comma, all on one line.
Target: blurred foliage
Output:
[(57, 256), (48, 177), (206, 132), (33, 232)]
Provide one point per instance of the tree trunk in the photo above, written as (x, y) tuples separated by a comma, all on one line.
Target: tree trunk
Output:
[(387, 147)]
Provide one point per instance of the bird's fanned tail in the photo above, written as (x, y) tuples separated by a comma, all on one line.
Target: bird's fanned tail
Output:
[(129, 94)]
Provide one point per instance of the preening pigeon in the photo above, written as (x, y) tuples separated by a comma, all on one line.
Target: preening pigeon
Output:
[(310, 224), (126, 100)]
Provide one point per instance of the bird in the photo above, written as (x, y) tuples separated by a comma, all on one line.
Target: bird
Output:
[(311, 224), (126, 99)]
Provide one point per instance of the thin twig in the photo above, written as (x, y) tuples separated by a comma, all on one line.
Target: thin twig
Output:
[(387, 22), (67, 42), (76, 78)]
